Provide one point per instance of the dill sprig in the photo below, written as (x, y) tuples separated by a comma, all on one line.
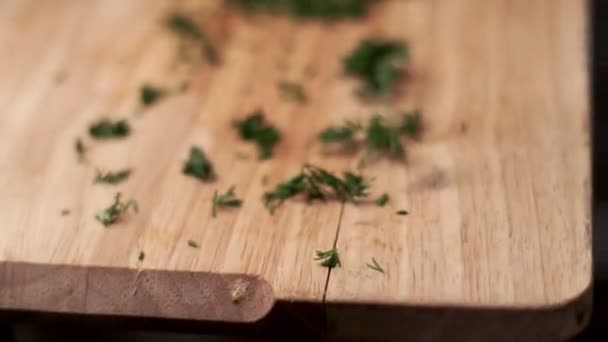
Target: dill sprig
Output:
[(149, 94), (255, 128), (378, 136), (318, 184), (227, 199), (107, 129), (293, 92), (198, 165), (375, 62), (329, 258), (375, 266), (184, 26), (112, 177), (382, 200), (112, 213), (324, 9)]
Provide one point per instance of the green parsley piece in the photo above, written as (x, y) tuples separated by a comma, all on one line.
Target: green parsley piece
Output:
[(292, 91), (382, 200), (112, 213), (402, 212), (112, 177), (375, 62), (255, 128), (318, 184), (411, 123), (107, 129), (198, 165), (227, 199), (340, 134), (193, 244), (81, 150), (375, 266), (330, 258), (149, 94), (141, 256), (187, 28)]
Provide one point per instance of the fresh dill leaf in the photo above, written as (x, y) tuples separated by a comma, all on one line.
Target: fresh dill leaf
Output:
[(227, 199), (381, 137), (112, 177), (318, 184), (374, 61), (80, 150), (382, 200), (411, 123), (107, 129), (141, 256), (255, 128), (186, 27), (149, 94), (193, 244), (112, 213), (198, 165), (293, 92), (402, 212), (324, 9), (375, 266), (340, 134), (65, 212), (329, 258)]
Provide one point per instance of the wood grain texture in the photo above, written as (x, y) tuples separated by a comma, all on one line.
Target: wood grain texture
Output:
[(497, 188)]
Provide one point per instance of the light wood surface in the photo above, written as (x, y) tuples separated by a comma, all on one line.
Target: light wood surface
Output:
[(498, 187)]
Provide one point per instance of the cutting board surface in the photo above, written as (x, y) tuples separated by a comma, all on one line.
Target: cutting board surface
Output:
[(497, 188)]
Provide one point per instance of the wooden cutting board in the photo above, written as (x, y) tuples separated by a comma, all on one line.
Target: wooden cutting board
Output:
[(497, 242)]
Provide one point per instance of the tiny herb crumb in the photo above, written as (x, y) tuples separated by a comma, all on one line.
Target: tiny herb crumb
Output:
[(318, 184), (227, 199), (198, 165), (293, 92), (340, 134), (112, 177), (375, 266), (402, 212), (112, 213), (80, 150), (65, 212), (255, 128), (329, 258), (375, 62), (193, 244), (382, 200), (186, 27), (149, 94), (142, 256), (107, 129)]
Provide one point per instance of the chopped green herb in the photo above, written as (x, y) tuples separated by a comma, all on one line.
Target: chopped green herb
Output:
[(65, 212), (340, 134), (293, 92), (381, 137), (318, 184), (112, 177), (198, 165), (107, 129), (382, 200), (80, 150), (374, 61), (255, 128), (325, 9), (112, 213), (142, 256), (411, 123), (186, 27), (402, 212), (329, 258), (149, 94), (193, 244), (375, 266), (228, 199)]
